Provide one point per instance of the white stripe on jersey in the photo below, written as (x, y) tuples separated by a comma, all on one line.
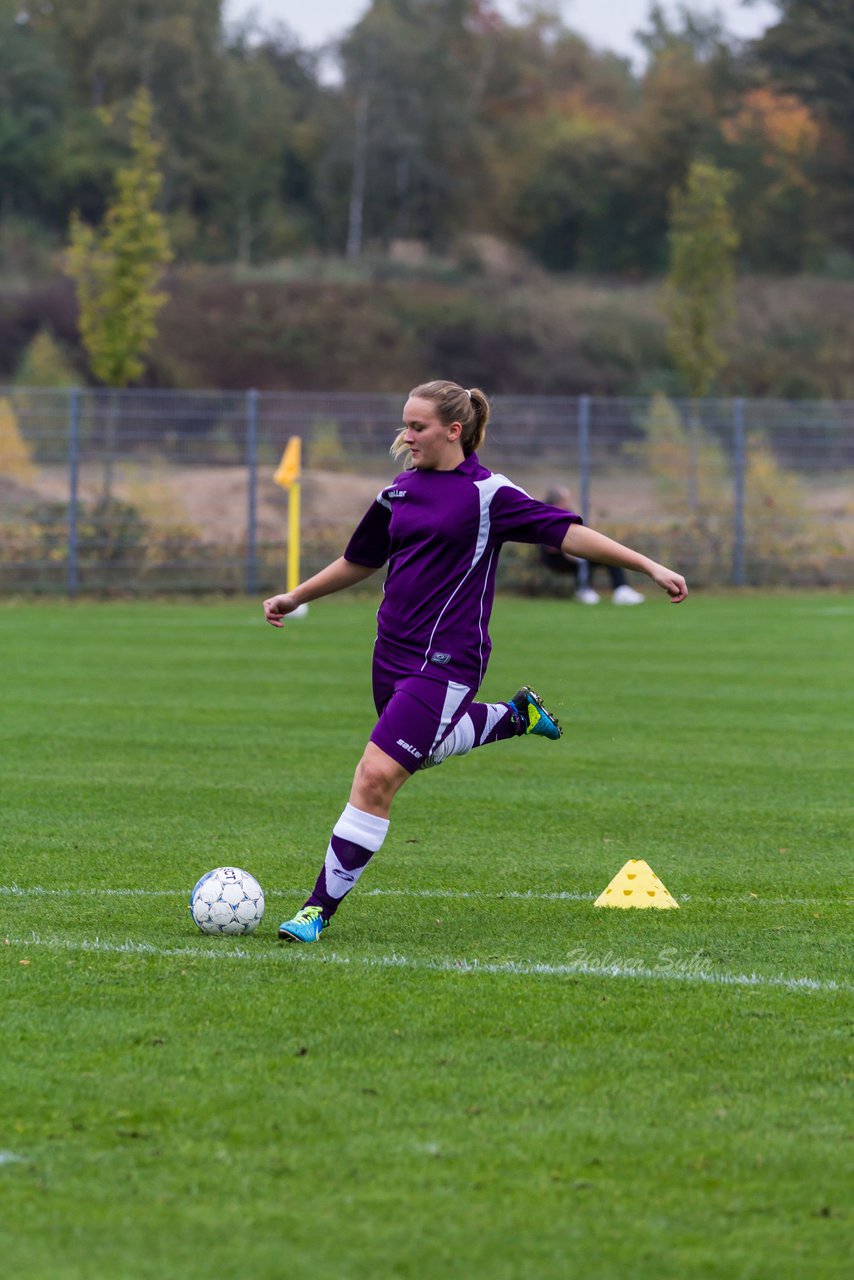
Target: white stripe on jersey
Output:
[(480, 617), (487, 490)]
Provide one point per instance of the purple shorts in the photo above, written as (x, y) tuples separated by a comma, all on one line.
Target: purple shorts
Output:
[(416, 710)]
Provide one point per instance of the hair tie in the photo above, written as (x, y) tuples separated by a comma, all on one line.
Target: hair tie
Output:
[(468, 393)]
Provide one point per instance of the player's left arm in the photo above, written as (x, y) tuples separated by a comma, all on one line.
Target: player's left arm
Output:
[(587, 543)]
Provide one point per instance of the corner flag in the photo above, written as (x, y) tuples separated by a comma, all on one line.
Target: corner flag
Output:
[(288, 470), (288, 474)]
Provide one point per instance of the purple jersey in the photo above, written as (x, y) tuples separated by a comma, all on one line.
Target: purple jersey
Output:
[(441, 533)]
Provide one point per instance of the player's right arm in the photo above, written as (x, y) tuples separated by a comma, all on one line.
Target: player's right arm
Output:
[(335, 577)]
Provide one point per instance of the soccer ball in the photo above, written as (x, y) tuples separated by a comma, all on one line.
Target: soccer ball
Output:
[(227, 900)]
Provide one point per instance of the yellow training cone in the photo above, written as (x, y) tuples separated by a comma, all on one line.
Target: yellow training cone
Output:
[(635, 885)]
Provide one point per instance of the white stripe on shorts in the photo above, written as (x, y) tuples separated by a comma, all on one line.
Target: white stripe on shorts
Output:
[(454, 695)]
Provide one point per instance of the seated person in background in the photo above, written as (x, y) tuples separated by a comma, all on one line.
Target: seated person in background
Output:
[(582, 570)]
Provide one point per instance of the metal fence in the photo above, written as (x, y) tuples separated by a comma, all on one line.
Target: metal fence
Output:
[(155, 491)]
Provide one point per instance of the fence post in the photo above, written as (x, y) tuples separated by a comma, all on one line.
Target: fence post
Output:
[(72, 577), (252, 489), (738, 470), (694, 456), (583, 579)]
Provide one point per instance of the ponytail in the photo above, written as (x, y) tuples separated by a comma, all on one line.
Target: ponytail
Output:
[(454, 403)]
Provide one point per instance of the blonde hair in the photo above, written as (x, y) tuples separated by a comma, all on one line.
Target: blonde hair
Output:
[(454, 403)]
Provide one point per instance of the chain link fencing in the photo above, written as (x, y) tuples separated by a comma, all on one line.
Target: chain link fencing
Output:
[(135, 492)]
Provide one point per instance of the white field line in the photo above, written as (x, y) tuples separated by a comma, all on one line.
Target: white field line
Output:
[(515, 895), (517, 968)]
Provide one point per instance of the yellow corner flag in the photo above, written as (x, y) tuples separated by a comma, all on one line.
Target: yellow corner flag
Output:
[(288, 474), (288, 470)]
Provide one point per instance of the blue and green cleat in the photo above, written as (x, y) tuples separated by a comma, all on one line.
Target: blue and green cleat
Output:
[(533, 714), (306, 926)]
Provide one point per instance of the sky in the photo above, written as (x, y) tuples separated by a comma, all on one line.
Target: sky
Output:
[(607, 24)]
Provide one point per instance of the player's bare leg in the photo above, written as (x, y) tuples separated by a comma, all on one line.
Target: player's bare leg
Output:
[(376, 781)]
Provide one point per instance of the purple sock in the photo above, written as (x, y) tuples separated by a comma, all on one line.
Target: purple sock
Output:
[(483, 722), (356, 837), (494, 721)]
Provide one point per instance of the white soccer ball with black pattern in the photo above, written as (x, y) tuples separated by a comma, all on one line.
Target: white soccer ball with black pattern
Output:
[(227, 900)]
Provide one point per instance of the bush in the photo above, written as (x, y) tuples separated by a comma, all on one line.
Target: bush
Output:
[(342, 330), (325, 450), (15, 460), (45, 364), (118, 552)]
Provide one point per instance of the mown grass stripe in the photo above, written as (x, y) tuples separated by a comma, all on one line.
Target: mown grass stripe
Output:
[(290, 955)]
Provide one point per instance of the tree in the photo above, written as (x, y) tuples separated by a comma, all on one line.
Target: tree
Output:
[(30, 98), (698, 292), (690, 75), (116, 270), (554, 117), (267, 133), (569, 187), (410, 73), (104, 52), (772, 143), (810, 53)]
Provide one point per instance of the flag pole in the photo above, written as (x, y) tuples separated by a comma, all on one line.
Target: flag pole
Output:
[(288, 474), (293, 534)]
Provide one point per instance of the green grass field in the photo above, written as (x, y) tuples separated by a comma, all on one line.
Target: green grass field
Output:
[(475, 1073)]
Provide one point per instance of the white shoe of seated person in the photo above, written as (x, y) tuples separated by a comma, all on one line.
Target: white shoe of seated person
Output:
[(586, 595), (627, 595)]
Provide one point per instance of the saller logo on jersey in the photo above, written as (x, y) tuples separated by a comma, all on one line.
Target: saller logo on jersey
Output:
[(397, 493), (407, 746), (441, 658)]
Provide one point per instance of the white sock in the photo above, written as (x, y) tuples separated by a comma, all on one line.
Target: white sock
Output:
[(363, 830)]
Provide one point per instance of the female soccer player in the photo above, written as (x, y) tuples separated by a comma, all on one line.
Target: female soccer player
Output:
[(440, 526)]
